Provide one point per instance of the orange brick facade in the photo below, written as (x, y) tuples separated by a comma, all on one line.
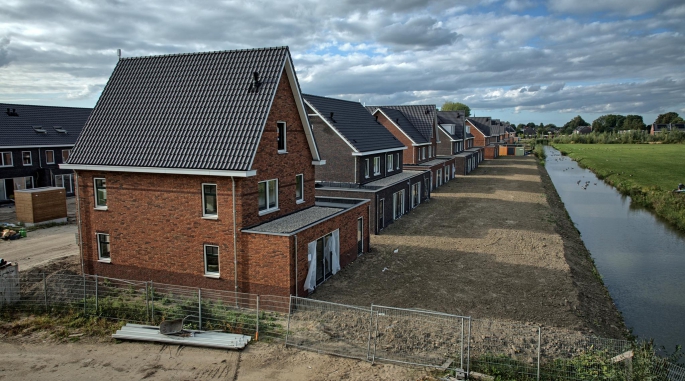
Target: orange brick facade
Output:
[(413, 154), (156, 227)]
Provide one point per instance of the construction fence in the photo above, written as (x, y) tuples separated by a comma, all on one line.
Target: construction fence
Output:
[(455, 344)]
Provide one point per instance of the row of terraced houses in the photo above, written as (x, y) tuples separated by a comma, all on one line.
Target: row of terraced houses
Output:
[(213, 170)]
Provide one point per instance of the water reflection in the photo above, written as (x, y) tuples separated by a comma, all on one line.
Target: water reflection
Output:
[(641, 257)]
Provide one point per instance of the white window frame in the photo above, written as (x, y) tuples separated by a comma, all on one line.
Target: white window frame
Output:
[(46, 156), (205, 215), (266, 195), (109, 244), (388, 164), (376, 165), (95, 193), (68, 151), (2, 159), (63, 177), (204, 257), (423, 153), (30, 158), (397, 161), (430, 151), (285, 135), (301, 199), (367, 171)]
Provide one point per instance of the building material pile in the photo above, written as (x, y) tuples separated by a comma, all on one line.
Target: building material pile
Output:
[(208, 339)]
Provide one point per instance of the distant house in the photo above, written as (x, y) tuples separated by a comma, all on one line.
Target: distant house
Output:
[(529, 132), (583, 130), (486, 135), (363, 160), (657, 128), (416, 126), (35, 140), (452, 141), (199, 170)]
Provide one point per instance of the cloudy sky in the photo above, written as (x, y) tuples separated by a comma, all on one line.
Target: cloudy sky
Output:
[(517, 60)]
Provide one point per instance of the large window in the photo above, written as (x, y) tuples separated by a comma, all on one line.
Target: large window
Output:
[(6, 159), (65, 181), (268, 196), (299, 188), (209, 204), (377, 165), (65, 155), (281, 137), (212, 260), (388, 163), (398, 204), (26, 157), (50, 157), (103, 247), (100, 193), (415, 195)]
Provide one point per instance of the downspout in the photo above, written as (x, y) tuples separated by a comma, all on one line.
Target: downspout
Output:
[(235, 239), (78, 218), (297, 279)]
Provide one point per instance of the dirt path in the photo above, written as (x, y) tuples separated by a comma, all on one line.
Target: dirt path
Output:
[(136, 361), (496, 244), (41, 246)]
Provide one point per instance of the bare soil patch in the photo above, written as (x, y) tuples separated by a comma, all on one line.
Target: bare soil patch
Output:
[(41, 246), (496, 244)]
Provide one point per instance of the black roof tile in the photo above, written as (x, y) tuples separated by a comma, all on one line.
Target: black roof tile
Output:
[(17, 127)]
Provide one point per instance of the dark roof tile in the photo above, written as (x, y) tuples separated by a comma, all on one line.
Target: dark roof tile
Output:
[(18, 131)]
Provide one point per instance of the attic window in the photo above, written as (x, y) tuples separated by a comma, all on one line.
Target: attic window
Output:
[(59, 129), (39, 130)]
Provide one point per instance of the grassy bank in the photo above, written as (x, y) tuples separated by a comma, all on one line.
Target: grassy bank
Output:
[(646, 172)]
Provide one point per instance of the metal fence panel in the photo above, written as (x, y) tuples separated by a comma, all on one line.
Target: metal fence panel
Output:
[(572, 356), (331, 328), (418, 337)]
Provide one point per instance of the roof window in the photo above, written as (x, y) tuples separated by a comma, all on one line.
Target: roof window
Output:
[(60, 129), (39, 130)]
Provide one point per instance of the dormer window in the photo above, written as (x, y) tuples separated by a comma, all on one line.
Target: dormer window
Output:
[(376, 165), (388, 163), (281, 137), (397, 161), (366, 168)]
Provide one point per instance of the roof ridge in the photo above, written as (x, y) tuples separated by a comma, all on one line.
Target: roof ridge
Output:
[(337, 99), (207, 52), (27, 105)]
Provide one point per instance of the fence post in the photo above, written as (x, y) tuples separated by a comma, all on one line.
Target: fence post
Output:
[(368, 345), (84, 294), (290, 311), (539, 340), (256, 336), (97, 307), (375, 340), (468, 351), (152, 303), (147, 304), (199, 309), (461, 365), (45, 292)]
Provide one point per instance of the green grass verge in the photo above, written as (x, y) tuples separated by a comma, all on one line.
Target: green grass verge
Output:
[(646, 172)]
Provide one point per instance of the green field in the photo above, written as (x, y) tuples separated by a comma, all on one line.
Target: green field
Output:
[(646, 172)]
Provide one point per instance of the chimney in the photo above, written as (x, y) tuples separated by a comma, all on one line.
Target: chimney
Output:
[(119, 53)]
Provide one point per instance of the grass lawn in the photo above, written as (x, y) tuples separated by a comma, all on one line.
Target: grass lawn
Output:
[(661, 165), (646, 172)]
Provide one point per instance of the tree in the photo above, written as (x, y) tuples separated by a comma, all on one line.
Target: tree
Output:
[(531, 125), (634, 122), (573, 123), (607, 123), (669, 117), (456, 106)]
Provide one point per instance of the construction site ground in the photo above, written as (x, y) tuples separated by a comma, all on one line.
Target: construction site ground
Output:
[(496, 244)]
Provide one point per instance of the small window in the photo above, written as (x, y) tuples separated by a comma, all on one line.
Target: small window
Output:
[(212, 260), (397, 161), (6, 159), (366, 168), (388, 163), (377, 165), (100, 193), (50, 157), (281, 137), (430, 151), (209, 204), (423, 153), (299, 188), (103, 247), (26, 157), (268, 196), (65, 155)]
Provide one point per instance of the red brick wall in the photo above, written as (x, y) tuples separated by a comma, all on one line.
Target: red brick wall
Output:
[(411, 154), (270, 164), (479, 140), (265, 263)]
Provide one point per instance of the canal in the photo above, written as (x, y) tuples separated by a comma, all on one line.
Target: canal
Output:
[(640, 257)]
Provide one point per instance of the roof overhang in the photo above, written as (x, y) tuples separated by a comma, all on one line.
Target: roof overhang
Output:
[(421, 144), (378, 151), (38, 146), (319, 162), (169, 171)]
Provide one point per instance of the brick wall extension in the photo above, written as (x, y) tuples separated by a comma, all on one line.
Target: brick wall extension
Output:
[(411, 154), (340, 163)]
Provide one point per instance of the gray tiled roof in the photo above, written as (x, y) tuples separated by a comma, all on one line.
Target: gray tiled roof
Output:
[(430, 163), (18, 130), (453, 117), (353, 122), (482, 124), (190, 111), (423, 117), (296, 221), (402, 123)]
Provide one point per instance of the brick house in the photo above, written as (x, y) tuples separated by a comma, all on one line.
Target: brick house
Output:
[(416, 126), (363, 160), (198, 170), (35, 140), (452, 141), (657, 128), (483, 136)]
